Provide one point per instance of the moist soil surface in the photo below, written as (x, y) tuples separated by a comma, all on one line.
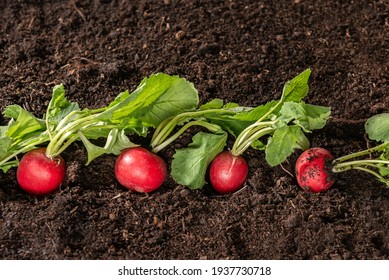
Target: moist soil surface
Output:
[(239, 51)]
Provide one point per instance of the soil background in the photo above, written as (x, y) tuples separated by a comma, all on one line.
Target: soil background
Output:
[(239, 51)]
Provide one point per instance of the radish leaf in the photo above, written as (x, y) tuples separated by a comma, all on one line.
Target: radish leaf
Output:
[(283, 142), (377, 127), (213, 104), (59, 106), (308, 117), (22, 122), (157, 98), (190, 164), (297, 88), (115, 143)]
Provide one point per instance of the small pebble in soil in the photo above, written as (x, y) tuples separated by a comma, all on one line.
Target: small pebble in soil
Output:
[(180, 35), (279, 37), (184, 192)]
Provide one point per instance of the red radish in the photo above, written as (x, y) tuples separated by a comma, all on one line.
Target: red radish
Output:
[(140, 170), (39, 175), (228, 172), (312, 170)]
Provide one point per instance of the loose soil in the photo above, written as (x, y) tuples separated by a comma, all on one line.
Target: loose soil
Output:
[(239, 51)]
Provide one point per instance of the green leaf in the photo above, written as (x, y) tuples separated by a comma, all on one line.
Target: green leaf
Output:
[(297, 88), (383, 170), (5, 144), (115, 143), (22, 122), (157, 98), (213, 104), (231, 105), (229, 124), (6, 151), (385, 153), (255, 113), (190, 164), (123, 100), (283, 142), (317, 116), (8, 165), (258, 145), (377, 127), (180, 97), (102, 130), (3, 130), (97, 131), (120, 98), (245, 116), (59, 107), (308, 117)]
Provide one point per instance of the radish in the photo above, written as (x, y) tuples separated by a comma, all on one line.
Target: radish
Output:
[(313, 171), (140, 170), (228, 172), (38, 174)]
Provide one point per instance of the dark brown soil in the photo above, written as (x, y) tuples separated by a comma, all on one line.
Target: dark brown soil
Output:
[(241, 51)]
